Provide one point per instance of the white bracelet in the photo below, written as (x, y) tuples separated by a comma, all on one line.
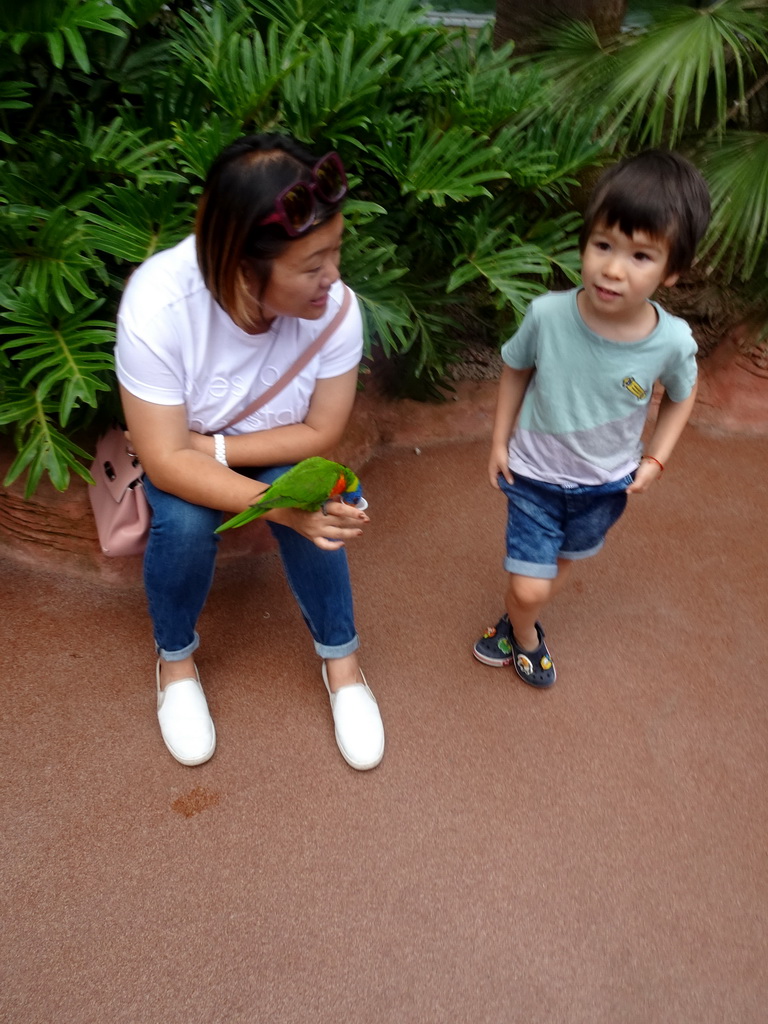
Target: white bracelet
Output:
[(220, 449)]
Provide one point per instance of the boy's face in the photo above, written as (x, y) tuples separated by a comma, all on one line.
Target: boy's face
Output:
[(621, 273)]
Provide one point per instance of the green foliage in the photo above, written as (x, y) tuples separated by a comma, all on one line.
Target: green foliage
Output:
[(62, 349), (692, 77), (462, 161), (111, 112), (679, 73), (738, 174), (59, 26)]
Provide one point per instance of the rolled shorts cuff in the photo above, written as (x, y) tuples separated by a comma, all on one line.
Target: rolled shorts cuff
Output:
[(534, 569), (340, 651), (179, 655), (574, 556)]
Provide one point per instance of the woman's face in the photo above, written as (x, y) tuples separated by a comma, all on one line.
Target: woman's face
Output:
[(303, 274)]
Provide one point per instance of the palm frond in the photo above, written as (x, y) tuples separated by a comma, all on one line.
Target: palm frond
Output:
[(432, 346), (558, 238), (577, 65), (331, 93), (13, 97), (133, 225), (64, 352), (41, 448), (61, 27), (116, 153), (484, 92), (288, 13), (44, 253), (737, 171), (450, 165), (243, 70), (683, 67), (401, 16), (506, 271), (373, 272)]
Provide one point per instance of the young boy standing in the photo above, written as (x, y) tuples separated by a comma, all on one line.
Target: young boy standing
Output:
[(575, 390)]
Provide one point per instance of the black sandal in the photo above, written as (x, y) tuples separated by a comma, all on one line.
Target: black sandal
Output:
[(498, 647)]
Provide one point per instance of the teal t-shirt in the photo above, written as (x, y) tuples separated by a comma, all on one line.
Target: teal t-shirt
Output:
[(587, 401)]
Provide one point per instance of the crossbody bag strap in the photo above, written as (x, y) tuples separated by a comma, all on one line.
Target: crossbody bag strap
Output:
[(298, 366)]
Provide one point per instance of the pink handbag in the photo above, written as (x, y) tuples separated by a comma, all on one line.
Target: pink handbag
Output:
[(118, 500), (119, 503)]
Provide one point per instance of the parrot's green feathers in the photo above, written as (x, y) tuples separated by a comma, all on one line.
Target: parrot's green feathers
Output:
[(307, 485)]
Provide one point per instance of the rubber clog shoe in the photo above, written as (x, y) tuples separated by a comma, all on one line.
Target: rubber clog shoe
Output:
[(498, 647), (185, 722), (359, 729)]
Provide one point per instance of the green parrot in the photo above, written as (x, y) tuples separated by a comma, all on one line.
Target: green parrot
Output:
[(307, 485)]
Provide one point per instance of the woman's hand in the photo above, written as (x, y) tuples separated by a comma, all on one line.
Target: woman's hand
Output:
[(330, 530)]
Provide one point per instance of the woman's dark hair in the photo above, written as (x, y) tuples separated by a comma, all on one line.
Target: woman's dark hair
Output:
[(658, 192), (239, 192)]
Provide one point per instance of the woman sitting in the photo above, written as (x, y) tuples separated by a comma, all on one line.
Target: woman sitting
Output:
[(205, 329)]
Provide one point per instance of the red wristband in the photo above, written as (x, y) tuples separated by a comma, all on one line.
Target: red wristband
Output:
[(653, 459)]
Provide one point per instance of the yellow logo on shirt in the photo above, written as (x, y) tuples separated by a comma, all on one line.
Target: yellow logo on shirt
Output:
[(634, 388)]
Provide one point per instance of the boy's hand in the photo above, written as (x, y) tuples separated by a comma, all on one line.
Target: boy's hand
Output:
[(648, 472), (499, 463)]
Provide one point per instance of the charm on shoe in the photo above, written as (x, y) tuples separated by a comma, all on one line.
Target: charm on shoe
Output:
[(358, 726), (498, 647), (185, 722), (495, 645)]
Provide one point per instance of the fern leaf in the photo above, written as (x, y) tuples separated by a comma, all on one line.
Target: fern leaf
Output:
[(68, 352), (45, 253), (450, 165), (133, 225)]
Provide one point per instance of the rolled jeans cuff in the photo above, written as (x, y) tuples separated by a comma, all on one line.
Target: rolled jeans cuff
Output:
[(339, 651), (182, 654)]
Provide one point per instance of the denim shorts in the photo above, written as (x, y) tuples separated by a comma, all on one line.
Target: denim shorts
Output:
[(546, 522)]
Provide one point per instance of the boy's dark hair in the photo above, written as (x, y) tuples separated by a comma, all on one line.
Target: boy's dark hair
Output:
[(658, 192)]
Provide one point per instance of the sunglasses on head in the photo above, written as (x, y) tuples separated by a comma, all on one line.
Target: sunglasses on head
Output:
[(296, 206)]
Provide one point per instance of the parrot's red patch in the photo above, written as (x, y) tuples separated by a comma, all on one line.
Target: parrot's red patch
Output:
[(339, 487)]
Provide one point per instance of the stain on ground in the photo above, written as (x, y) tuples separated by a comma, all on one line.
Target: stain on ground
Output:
[(197, 800)]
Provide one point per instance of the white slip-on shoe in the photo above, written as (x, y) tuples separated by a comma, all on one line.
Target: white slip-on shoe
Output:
[(359, 729), (185, 722)]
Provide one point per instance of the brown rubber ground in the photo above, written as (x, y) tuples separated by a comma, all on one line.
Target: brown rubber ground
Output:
[(593, 854)]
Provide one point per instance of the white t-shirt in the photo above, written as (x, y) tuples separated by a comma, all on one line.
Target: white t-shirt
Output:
[(177, 346)]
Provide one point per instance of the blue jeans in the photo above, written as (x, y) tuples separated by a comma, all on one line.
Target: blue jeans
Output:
[(179, 565), (546, 522)]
